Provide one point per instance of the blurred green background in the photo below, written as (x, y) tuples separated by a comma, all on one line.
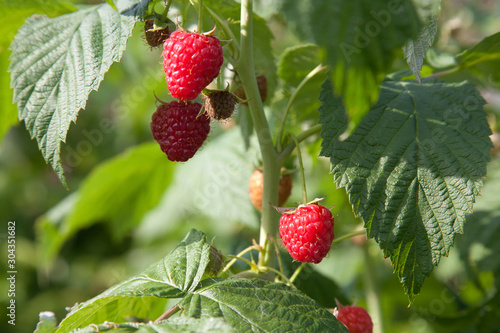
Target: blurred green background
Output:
[(209, 193)]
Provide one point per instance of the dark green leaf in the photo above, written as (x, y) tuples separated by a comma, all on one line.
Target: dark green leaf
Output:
[(361, 39), (120, 191), (57, 62), (300, 68), (480, 245), (412, 168), (416, 49), (261, 306), (314, 284), (320, 288), (484, 58), (296, 62), (178, 273)]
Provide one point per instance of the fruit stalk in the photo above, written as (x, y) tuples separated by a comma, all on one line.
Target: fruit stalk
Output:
[(200, 16), (165, 11), (271, 167)]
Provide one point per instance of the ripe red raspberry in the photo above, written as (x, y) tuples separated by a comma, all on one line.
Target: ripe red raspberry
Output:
[(178, 130), (255, 187), (191, 61), (307, 232), (356, 319)]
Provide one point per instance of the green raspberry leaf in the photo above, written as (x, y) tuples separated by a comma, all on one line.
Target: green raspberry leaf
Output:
[(301, 66), (412, 168), (483, 228), (143, 295), (483, 59), (47, 323), (297, 62), (18, 11), (173, 325), (219, 193), (416, 49), (57, 62), (260, 306), (119, 191), (360, 40)]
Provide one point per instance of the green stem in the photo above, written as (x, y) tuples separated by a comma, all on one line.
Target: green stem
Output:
[(169, 313), (233, 46), (232, 261), (297, 272), (200, 16), (246, 261), (271, 167), (309, 76), (299, 154), (278, 256), (285, 153), (165, 11), (275, 271), (349, 235), (447, 72)]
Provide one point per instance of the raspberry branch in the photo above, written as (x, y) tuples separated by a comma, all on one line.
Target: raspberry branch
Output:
[(271, 165), (165, 11), (169, 313), (238, 256)]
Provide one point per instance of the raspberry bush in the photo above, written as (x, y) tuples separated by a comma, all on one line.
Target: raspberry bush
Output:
[(384, 111)]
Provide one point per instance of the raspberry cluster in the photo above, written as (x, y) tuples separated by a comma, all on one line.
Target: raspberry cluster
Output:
[(191, 61)]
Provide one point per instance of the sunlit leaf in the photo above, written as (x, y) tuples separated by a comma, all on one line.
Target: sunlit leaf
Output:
[(412, 168), (57, 62)]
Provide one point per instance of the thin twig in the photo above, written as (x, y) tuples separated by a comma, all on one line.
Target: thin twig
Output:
[(297, 272), (169, 313), (349, 235), (235, 258)]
